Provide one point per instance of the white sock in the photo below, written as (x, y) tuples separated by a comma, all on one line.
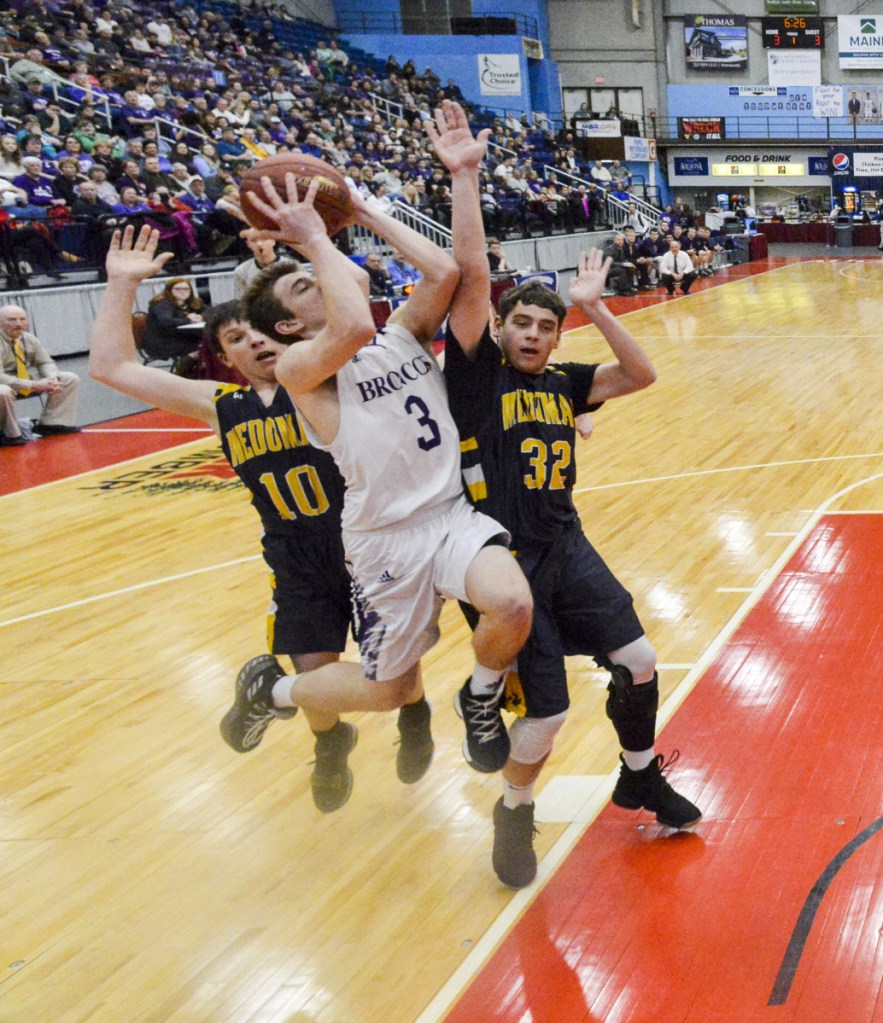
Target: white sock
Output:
[(484, 681), (636, 761), (517, 795), (281, 692)]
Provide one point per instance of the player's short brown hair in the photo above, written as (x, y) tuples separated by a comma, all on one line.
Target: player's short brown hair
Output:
[(217, 318), (532, 293), (261, 308)]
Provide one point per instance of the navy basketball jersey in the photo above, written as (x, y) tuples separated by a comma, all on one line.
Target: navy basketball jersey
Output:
[(293, 486), (517, 437)]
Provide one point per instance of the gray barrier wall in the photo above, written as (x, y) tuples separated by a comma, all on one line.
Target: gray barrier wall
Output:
[(62, 317)]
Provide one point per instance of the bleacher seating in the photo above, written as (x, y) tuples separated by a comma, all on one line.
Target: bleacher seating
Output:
[(255, 70)]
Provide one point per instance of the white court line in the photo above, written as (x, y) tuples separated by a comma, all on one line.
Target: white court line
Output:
[(764, 337), (126, 589), (151, 429), (727, 468), (857, 277), (500, 928)]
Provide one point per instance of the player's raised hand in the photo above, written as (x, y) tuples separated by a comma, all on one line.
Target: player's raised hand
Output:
[(298, 222), (452, 138), (587, 286), (134, 258)]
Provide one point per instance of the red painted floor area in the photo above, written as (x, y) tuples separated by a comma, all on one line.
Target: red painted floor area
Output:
[(58, 458), (620, 305), (782, 744)]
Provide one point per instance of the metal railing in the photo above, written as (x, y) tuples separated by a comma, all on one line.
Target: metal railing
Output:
[(441, 23), (646, 209), (756, 127), (362, 241), (387, 108), (173, 129)]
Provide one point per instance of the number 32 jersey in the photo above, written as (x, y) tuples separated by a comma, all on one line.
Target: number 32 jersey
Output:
[(517, 434), (296, 489), (397, 445)]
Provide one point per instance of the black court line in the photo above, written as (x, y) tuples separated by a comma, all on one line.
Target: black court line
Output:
[(791, 959)]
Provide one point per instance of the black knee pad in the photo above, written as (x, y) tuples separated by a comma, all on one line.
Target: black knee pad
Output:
[(632, 708)]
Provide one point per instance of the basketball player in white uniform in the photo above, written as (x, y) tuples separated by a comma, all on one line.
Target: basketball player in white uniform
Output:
[(377, 402)]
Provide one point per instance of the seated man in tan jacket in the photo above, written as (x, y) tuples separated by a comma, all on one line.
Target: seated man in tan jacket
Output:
[(27, 368)]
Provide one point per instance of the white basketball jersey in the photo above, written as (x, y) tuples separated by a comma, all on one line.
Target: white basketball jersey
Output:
[(397, 447)]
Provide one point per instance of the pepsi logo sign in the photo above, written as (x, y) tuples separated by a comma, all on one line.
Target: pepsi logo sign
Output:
[(840, 161)]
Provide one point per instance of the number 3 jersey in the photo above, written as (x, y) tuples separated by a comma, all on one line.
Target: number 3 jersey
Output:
[(295, 488), (517, 437), (397, 445)]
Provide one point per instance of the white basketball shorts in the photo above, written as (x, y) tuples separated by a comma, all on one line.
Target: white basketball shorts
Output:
[(401, 578)]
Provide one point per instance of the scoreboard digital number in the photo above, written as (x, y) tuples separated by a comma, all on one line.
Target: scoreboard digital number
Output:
[(795, 32)]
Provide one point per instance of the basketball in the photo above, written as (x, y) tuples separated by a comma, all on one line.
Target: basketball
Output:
[(333, 202)]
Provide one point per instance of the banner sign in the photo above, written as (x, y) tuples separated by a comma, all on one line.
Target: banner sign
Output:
[(794, 67), (693, 129), (499, 74), (860, 42), (827, 101), (867, 165), (792, 6), (547, 277), (640, 149), (740, 101), (757, 90), (863, 104), (606, 129), (691, 166), (716, 42), (818, 166)]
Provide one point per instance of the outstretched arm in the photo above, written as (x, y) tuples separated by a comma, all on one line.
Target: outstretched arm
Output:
[(633, 370), (306, 365), (462, 154), (428, 304), (113, 359)]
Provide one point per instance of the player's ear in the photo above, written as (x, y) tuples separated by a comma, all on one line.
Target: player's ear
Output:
[(288, 328), (495, 325)]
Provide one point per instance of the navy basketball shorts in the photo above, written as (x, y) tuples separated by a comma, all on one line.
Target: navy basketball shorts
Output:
[(311, 606), (580, 607)]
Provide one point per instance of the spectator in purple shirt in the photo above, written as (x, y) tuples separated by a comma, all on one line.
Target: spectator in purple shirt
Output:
[(36, 184)]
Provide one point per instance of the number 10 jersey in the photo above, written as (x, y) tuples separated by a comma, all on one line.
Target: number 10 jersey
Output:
[(296, 489)]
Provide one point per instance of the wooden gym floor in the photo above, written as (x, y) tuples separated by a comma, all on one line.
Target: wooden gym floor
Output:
[(150, 875)]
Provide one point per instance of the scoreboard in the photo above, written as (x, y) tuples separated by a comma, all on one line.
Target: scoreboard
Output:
[(793, 32)]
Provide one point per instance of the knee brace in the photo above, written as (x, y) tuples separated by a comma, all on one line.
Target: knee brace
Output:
[(532, 738), (639, 657), (632, 708)]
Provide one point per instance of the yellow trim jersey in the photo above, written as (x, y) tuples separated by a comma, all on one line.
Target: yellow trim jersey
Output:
[(517, 438), (295, 488)]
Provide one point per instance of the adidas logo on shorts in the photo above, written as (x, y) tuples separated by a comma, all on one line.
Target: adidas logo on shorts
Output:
[(386, 578)]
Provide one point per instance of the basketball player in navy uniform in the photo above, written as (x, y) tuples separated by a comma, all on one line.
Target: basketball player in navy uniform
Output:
[(376, 401), (296, 489), (517, 415)]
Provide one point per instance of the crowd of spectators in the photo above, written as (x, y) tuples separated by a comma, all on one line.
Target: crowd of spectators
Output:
[(673, 252), (151, 112)]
